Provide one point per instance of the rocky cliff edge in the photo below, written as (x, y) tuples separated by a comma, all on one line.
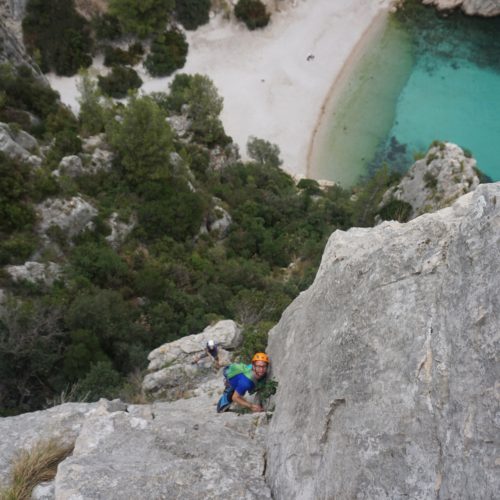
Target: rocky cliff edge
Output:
[(388, 364)]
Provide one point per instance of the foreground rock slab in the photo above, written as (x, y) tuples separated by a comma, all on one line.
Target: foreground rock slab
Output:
[(397, 390), (165, 451)]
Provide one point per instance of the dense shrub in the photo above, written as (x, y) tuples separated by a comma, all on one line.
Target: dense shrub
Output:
[(116, 56), (253, 13), (142, 18), (54, 30), (16, 211), (99, 264), (170, 208), (21, 90), (396, 210), (204, 106), (119, 82), (107, 27), (168, 53), (91, 115), (264, 152), (143, 141), (192, 13)]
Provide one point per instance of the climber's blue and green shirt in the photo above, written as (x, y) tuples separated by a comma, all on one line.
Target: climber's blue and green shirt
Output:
[(240, 377)]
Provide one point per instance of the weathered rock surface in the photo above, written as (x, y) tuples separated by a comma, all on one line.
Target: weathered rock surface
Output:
[(62, 422), (388, 365), (437, 180), (119, 229), (486, 8), (35, 272), (177, 367), (182, 449), (167, 450), (72, 216), (17, 145)]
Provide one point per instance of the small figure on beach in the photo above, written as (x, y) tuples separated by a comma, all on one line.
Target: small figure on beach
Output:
[(310, 57)]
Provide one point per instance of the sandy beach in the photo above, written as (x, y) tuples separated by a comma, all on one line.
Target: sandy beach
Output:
[(276, 81)]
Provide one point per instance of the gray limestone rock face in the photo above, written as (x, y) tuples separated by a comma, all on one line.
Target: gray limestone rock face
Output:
[(71, 166), (388, 365), (437, 180), (182, 450), (63, 422), (176, 368), (72, 215), (119, 229), (487, 8), (35, 272), (10, 146)]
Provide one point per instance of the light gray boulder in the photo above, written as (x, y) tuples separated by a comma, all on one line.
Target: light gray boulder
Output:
[(220, 221), (487, 8), (72, 216), (226, 333), (436, 181), (62, 422), (13, 144), (35, 272), (119, 229), (180, 124), (388, 365), (71, 166), (178, 367), (182, 449), (90, 144)]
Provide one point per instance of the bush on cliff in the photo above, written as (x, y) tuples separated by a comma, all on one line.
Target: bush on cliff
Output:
[(192, 13), (57, 36), (168, 53), (117, 83), (253, 13)]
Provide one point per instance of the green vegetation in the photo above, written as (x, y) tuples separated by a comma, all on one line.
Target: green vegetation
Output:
[(34, 466), (168, 53), (92, 329), (204, 105), (253, 13), (57, 36), (142, 140), (116, 56), (192, 13), (119, 82), (396, 210), (142, 18)]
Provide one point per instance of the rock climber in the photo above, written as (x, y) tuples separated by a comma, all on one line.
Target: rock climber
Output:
[(211, 351), (239, 379)]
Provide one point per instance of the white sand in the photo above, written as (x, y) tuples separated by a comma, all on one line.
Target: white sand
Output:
[(269, 87)]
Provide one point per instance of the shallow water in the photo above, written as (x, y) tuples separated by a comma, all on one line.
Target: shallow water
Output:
[(419, 81)]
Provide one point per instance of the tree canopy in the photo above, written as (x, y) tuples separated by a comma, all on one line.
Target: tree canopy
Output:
[(142, 17)]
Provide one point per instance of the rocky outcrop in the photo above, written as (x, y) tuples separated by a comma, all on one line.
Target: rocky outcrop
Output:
[(71, 216), (18, 145), (389, 380), (35, 272), (182, 449), (119, 229), (486, 8), (178, 367), (437, 180), (62, 422)]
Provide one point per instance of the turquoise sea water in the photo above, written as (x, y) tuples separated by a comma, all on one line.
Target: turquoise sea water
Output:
[(433, 78)]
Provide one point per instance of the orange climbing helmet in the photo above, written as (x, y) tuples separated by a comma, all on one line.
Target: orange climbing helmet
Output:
[(260, 356)]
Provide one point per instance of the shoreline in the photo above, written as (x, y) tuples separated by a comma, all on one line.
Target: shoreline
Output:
[(272, 88), (372, 33)]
